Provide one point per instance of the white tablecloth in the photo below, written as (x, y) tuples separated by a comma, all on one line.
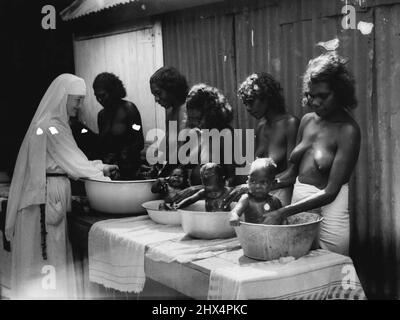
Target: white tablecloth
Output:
[(319, 275), (117, 248)]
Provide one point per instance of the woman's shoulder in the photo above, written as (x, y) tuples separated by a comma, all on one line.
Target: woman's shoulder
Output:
[(351, 121), (308, 117), (288, 121), (128, 106), (350, 128), (292, 119)]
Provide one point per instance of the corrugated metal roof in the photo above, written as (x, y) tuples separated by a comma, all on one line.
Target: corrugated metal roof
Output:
[(81, 8), (139, 8)]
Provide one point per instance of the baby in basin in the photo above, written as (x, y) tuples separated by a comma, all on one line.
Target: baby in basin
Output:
[(168, 187), (257, 202), (214, 190)]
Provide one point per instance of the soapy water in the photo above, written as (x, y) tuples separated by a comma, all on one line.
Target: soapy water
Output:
[(301, 218)]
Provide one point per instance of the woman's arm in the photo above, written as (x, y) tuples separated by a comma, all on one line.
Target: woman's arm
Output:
[(287, 178), (343, 165), (186, 193), (234, 195), (188, 201), (135, 124), (292, 137), (127, 120)]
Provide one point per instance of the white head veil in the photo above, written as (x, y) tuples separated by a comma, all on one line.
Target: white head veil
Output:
[(28, 185)]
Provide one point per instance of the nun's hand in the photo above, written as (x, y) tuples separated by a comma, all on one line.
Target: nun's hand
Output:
[(111, 170), (235, 195)]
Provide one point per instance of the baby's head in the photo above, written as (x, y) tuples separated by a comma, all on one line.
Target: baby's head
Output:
[(212, 176), (261, 177), (178, 178)]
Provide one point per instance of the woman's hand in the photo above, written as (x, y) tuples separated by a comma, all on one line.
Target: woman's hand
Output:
[(175, 206), (273, 218), (235, 195), (111, 170), (167, 206)]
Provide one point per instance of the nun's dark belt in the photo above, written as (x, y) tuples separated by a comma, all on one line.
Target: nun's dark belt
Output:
[(43, 218)]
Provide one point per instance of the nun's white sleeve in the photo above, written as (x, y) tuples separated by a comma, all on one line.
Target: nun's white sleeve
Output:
[(62, 147)]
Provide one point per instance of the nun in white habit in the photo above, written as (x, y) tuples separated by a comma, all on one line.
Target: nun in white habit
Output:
[(40, 196)]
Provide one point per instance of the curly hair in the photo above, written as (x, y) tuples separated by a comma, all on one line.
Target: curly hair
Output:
[(267, 164), (172, 81), (331, 68), (213, 105), (214, 169), (111, 83), (262, 86)]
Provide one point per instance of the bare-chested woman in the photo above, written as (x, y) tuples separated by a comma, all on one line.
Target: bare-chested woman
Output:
[(276, 132), (328, 144), (208, 109), (120, 126)]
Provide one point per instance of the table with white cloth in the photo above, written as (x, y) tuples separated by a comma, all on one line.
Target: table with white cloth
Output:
[(123, 253)]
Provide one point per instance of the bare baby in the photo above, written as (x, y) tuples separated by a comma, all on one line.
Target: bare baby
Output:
[(168, 187), (257, 202), (214, 189)]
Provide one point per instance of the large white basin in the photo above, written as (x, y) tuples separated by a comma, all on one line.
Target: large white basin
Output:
[(199, 223), (119, 197)]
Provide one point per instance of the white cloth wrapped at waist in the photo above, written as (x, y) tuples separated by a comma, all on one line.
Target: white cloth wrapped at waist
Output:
[(334, 233)]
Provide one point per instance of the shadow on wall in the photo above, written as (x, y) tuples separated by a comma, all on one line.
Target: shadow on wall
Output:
[(34, 57)]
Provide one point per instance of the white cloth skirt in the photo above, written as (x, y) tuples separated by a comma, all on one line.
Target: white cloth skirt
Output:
[(334, 233), (31, 276)]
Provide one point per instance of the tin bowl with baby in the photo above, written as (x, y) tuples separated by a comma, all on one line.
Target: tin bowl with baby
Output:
[(294, 237), (163, 211), (203, 214)]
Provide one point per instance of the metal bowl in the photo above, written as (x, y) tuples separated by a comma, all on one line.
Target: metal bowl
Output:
[(119, 197), (162, 216), (199, 223), (270, 242)]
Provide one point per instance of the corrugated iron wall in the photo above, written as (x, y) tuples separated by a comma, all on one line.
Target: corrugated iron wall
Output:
[(256, 42), (200, 44), (384, 219), (280, 37)]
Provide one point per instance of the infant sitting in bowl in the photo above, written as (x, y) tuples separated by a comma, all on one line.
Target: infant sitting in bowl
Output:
[(257, 202), (214, 189), (168, 187)]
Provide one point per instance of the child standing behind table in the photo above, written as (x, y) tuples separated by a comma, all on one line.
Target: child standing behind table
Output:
[(214, 190), (170, 186), (257, 202)]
